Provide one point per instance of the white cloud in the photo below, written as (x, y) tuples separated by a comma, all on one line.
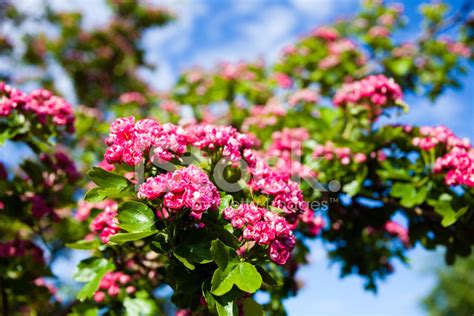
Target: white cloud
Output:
[(262, 36)]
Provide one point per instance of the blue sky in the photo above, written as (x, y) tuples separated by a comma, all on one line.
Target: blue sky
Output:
[(208, 32)]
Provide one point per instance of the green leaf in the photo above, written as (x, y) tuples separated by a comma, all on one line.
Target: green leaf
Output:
[(408, 194), (135, 216), (400, 66), (221, 253), (139, 306), (352, 188), (229, 309), (244, 275), (225, 202), (106, 179), (443, 206), (84, 244), (250, 307), (199, 252), (125, 237), (99, 194), (91, 270), (220, 232), (184, 261), (268, 280), (95, 195)]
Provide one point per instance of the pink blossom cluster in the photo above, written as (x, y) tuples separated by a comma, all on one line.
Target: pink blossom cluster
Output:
[(240, 70), (345, 155), (186, 188), (287, 147), (459, 166), (41, 102), (283, 80), (45, 104), (284, 193), (398, 230), (405, 49), (430, 137), (132, 97), (21, 248), (112, 283), (379, 32), (61, 163), (265, 228), (170, 106), (264, 115), (457, 48), (374, 92), (211, 138), (84, 208), (129, 141), (40, 208), (311, 224), (457, 162), (326, 33), (304, 95), (335, 51), (106, 223)]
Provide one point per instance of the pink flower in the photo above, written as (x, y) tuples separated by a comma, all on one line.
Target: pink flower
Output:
[(396, 229), (360, 158), (111, 283), (132, 97), (42, 103), (304, 95), (99, 296), (105, 223), (326, 33), (188, 187), (374, 92), (283, 80), (263, 227), (379, 31)]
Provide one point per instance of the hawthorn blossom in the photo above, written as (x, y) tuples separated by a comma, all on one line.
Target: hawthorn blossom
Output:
[(40, 102), (112, 284), (458, 160), (21, 248), (345, 155), (374, 92), (188, 188), (304, 95), (283, 80), (106, 223), (132, 97), (396, 229), (265, 228), (326, 33)]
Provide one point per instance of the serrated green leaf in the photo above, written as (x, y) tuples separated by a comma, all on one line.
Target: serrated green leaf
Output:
[(184, 261), (91, 271), (135, 216), (106, 179), (244, 275), (352, 188), (126, 237), (221, 254), (139, 306)]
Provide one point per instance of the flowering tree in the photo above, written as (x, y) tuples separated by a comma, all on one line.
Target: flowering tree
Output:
[(221, 206)]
